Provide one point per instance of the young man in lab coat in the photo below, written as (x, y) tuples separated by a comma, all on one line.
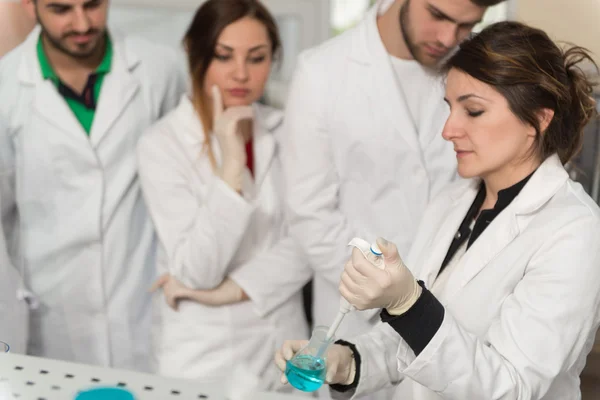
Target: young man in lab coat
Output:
[(74, 100), (364, 121), (363, 140)]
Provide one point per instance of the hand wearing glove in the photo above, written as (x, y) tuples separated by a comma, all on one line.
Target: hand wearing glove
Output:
[(226, 127), (340, 364), (366, 286)]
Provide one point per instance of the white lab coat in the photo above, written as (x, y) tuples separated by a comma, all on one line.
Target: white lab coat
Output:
[(13, 310), (207, 231), (87, 244), (522, 305), (354, 161)]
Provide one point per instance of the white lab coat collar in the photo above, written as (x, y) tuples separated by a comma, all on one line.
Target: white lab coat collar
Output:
[(119, 88), (266, 121), (30, 71), (369, 50), (383, 5), (541, 187)]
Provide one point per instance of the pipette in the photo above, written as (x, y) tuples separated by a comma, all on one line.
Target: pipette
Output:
[(306, 370), (374, 255)]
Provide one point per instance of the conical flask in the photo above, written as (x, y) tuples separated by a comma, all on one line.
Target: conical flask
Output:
[(307, 369)]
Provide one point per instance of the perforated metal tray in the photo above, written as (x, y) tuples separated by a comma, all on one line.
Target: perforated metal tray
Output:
[(32, 378)]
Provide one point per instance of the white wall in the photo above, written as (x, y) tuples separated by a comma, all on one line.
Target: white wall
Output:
[(302, 23), (576, 21), (14, 25)]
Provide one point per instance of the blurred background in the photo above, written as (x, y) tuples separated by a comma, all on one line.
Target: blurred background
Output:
[(305, 23)]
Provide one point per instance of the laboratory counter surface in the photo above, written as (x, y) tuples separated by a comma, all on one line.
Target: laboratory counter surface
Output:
[(32, 378)]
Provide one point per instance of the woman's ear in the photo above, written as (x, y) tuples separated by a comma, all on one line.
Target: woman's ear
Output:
[(545, 116)]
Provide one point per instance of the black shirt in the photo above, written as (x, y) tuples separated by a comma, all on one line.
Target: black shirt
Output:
[(420, 324), (505, 197)]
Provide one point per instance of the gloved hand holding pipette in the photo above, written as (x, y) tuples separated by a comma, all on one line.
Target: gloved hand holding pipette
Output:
[(374, 277), (374, 257), (393, 288)]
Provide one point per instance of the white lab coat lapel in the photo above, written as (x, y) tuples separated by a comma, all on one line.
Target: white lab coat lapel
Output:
[(461, 201), (193, 140), (384, 93), (264, 142), (544, 183), (48, 102), (117, 91)]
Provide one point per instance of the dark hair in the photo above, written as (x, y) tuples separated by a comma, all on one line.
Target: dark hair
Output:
[(525, 66), (486, 3), (201, 38)]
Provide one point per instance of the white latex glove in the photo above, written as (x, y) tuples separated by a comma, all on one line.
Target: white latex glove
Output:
[(366, 286), (340, 364), (233, 145)]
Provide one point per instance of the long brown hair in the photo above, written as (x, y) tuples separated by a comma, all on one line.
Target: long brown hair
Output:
[(200, 41), (525, 66)]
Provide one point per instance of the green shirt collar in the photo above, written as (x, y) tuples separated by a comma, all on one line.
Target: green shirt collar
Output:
[(48, 72)]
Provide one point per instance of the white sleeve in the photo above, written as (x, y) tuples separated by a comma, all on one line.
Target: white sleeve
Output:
[(13, 311), (176, 81), (540, 332), (200, 235), (8, 207), (312, 181), (378, 364), (272, 278)]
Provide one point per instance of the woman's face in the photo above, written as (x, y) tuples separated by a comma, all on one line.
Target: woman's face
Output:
[(241, 64), (489, 140)]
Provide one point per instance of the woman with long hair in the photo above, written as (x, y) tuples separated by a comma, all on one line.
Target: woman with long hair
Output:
[(211, 177), (499, 297)]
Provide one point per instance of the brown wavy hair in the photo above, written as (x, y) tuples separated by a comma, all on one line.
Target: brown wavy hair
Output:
[(524, 65)]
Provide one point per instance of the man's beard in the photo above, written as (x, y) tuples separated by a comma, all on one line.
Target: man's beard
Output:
[(405, 28), (58, 43), (413, 48)]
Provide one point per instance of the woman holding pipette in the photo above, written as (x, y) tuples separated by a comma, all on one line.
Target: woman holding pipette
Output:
[(499, 297), (211, 176)]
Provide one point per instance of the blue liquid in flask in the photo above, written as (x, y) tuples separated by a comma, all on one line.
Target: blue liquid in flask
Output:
[(306, 373)]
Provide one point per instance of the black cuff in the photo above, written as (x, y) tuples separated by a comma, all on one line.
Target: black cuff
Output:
[(420, 323), (356, 355)]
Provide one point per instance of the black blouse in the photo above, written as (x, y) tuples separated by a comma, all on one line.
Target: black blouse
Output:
[(421, 322), (505, 197)]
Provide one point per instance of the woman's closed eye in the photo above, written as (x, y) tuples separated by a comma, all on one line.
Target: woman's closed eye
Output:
[(258, 59), (474, 113), (222, 57)]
